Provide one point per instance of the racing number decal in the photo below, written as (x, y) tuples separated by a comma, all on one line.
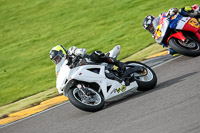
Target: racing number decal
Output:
[(158, 31), (194, 23)]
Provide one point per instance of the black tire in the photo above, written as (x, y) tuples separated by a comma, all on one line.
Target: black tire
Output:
[(176, 46), (145, 85), (82, 106)]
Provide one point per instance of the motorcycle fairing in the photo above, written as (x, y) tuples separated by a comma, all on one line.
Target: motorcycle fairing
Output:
[(162, 29), (62, 77), (178, 22), (192, 25), (184, 23), (83, 73)]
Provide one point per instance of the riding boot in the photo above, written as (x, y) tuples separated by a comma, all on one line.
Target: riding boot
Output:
[(113, 61), (110, 75), (172, 52), (127, 78)]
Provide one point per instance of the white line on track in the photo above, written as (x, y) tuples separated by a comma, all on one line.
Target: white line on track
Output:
[(167, 61), (2, 126)]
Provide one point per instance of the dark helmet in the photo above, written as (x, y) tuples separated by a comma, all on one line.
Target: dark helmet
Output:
[(148, 23), (57, 53)]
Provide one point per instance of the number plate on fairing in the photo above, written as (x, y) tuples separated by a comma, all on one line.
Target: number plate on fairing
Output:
[(158, 31), (194, 23)]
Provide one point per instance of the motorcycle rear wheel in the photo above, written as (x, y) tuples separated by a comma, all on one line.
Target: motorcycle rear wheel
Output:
[(192, 49), (78, 99), (146, 82)]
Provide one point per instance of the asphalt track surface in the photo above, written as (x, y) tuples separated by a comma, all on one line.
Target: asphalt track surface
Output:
[(172, 107)]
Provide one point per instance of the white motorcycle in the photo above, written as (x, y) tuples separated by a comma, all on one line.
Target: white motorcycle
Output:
[(89, 86)]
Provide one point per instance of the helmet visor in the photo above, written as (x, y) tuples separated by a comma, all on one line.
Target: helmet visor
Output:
[(150, 28), (56, 59)]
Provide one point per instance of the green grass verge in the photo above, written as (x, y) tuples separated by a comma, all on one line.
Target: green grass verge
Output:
[(29, 29), (27, 102), (145, 53)]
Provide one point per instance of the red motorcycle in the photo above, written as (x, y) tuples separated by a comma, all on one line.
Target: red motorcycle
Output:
[(181, 33)]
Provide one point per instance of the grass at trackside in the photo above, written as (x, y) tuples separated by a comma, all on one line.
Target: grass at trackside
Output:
[(27, 102), (29, 29), (145, 53)]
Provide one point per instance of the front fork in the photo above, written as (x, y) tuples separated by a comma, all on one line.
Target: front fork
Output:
[(84, 90)]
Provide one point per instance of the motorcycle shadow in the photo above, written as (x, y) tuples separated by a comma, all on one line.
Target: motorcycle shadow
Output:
[(159, 86)]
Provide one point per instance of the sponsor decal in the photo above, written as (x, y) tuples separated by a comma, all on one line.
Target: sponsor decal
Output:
[(57, 74), (158, 31), (122, 89)]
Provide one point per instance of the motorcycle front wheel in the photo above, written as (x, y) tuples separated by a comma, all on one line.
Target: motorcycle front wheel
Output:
[(191, 48), (90, 101), (145, 82)]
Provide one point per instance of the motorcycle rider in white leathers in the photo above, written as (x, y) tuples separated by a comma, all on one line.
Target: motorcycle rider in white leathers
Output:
[(58, 55)]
